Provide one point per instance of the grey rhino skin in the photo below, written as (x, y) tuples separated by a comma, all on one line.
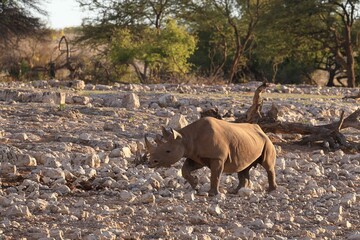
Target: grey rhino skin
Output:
[(222, 146)]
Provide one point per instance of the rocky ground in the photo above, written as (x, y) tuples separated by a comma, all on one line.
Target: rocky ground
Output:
[(69, 170)]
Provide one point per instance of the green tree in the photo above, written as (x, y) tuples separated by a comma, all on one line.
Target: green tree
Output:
[(111, 15), (155, 54), (319, 32), (284, 47), (346, 10), (137, 33), (211, 57), (228, 36)]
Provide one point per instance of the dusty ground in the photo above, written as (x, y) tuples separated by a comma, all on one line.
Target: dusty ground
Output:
[(98, 191)]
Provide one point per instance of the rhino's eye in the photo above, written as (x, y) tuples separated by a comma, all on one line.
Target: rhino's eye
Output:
[(167, 151)]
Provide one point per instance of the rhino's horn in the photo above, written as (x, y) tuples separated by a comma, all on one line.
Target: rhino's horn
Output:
[(148, 144), (166, 133)]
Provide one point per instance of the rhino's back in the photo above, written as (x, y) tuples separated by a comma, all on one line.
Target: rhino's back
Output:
[(239, 143), (215, 129)]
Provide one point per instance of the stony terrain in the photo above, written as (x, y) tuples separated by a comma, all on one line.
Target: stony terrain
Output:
[(69, 171)]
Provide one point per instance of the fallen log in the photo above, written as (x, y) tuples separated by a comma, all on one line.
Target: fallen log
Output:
[(331, 137), (353, 96), (289, 127), (328, 134)]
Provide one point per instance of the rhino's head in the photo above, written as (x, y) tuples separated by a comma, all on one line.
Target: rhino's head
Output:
[(168, 151)]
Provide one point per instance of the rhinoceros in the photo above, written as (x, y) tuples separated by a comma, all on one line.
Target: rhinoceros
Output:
[(222, 146)]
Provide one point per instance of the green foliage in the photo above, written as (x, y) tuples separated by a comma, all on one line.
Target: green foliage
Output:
[(124, 47), (252, 38), (159, 52), (233, 40), (302, 36), (176, 46)]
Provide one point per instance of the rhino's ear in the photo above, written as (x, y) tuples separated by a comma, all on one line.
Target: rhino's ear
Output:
[(175, 134), (148, 145), (166, 133)]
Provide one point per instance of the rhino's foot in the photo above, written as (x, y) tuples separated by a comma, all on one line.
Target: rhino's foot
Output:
[(234, 191), (213, 192), (194, 182), (245, 183), (272, 188), (195, 188)]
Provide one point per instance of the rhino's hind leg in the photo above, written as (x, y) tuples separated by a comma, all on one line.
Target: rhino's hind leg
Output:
[(244, 180), (188, 167), (271, 179), (269, 160)]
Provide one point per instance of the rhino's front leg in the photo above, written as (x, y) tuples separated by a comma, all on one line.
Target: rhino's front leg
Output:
[(188, 167), (216, 168)]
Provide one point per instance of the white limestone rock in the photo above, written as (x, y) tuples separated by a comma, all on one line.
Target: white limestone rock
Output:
[(26, 160), (168, 100), (131, 101), (57, 234), (113, 101), (173, 172), (215, 210), (21, 136), (39, 84), (39, 233), (78, 84), (114, 126), (6, 201), (147, 198), (17, 211), (49, 160), (127, 196), (40, 204), (53, 173), (8, 169), (16, 156), (29, 186), (349, 199), (335, 214), (120, 152), (85, 136), (280, 163), (243, 233), (102, 87), (61, 189), (245, 192), (354, 236), (178, 121), (92, 160), (81, 100)]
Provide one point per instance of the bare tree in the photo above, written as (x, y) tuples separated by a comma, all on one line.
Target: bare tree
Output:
[(16, 19), (346, 10), (238, 14)]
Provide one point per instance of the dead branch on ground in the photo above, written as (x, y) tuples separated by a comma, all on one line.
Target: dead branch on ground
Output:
[(329, 134), (356, 97)]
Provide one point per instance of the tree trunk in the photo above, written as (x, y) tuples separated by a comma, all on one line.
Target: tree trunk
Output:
[(142, 77), (235, 61), (332, 73), (350, 66)]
